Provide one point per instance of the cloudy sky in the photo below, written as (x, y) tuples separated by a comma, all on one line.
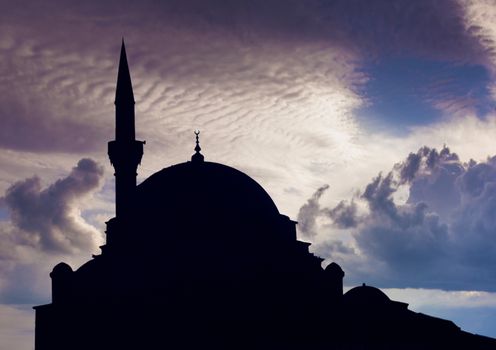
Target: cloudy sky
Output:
[(370, 122)]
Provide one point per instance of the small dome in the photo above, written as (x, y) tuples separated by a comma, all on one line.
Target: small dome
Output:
[(61, 269), (366, 296), (334, 270)]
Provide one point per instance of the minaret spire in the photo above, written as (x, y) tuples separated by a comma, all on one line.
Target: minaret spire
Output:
[(124, 100), (124, 88), (125, 151)]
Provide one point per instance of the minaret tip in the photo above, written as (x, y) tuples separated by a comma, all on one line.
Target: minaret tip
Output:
[(124, 90)]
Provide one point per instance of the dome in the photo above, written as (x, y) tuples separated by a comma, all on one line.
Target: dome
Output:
[(200, 219), (366, 296), (61, 269), (195, 187), (334, 269)]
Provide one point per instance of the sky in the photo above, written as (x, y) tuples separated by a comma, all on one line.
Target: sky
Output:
[(372, 123)]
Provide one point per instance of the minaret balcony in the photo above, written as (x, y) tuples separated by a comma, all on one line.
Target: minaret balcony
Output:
[(125, 153)]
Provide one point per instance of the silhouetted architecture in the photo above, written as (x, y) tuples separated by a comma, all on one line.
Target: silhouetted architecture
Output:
[(125, 151), (198, 256)]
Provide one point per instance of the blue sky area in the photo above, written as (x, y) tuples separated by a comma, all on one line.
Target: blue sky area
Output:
[(403, 92)]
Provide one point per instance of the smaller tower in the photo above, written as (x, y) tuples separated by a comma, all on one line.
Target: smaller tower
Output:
[(334, 275), (125, 152), (62, 276)]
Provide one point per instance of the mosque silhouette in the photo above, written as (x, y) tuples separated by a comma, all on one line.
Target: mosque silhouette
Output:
[(199, 257)]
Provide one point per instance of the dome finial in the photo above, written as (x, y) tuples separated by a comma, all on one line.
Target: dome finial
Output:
[(197, 157), (197, 148)]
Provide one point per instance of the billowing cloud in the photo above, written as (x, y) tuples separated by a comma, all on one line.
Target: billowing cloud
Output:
[(442, 236), (47, 218), (344, 215), (45, 225)]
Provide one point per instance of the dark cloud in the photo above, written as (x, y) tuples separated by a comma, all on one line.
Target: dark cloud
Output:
[(474, 219), (442, 237), (344, 215), (409, 237), (434, 182), (333, 247), (58, 59), (309, 212), (411, 166), (46, 218), (378, 195), (433, 28), (29, 125)]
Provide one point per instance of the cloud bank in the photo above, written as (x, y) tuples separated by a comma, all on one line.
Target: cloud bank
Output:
[(442, 236)]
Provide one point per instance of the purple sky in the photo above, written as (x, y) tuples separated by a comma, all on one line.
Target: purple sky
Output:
[(371, 122)]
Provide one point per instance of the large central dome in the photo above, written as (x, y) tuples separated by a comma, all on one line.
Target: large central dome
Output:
[(211, 213), (204, 186)]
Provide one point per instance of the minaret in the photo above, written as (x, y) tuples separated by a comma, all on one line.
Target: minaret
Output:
[(125, 151)]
